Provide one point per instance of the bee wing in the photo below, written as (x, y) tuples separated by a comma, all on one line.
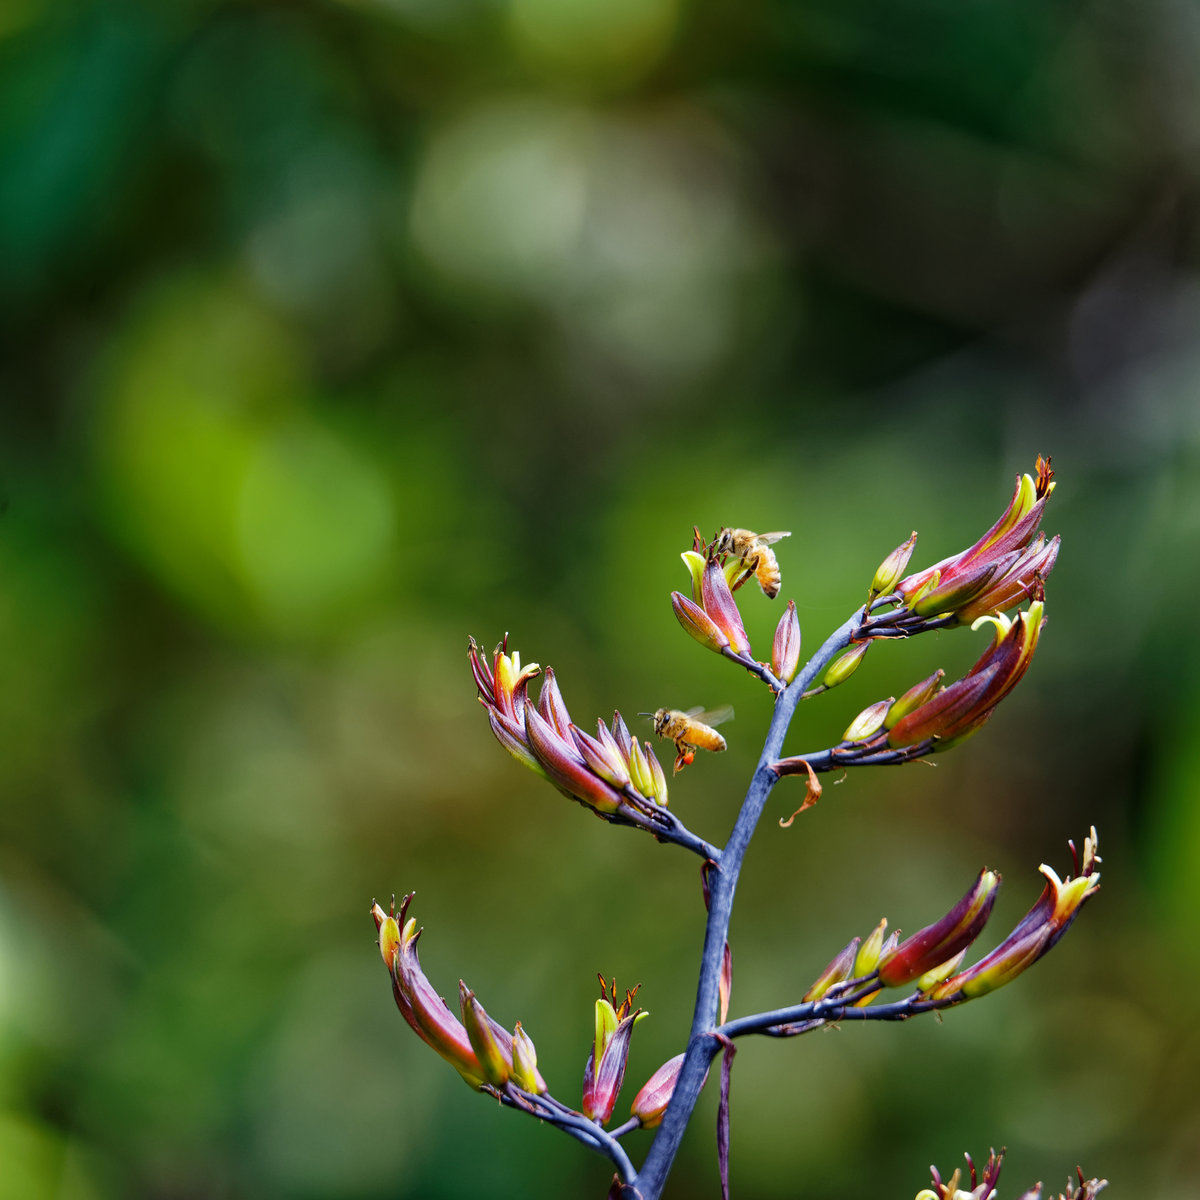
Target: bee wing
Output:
[(766, 539), (716, 716)]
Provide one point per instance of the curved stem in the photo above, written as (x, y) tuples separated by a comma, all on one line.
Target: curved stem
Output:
[(702, 1047)]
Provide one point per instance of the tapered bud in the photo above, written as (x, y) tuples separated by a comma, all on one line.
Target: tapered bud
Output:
[(869, 951), (941, 941), (603, 759), (658, 777), (551, 704), (914, 698), (868, 722), (651, 1102), (487, 1046), (524, 1062), (953, 591), (720, 605), (838, 971), (698, 623), (639, 770), (845, 665), (785, 653), (944, 971), (891, 569)]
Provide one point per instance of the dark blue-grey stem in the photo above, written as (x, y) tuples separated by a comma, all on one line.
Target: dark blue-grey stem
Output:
[(702, 1046)]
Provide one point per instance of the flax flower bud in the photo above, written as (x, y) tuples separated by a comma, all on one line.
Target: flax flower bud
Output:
[(870, 950), (698, 623), (914, 697), (966, 704), (605, 1069), (1038, 931), (845, 665), (838, 971), (1001, 569), (889, 571), (494, 1057), (524, 1062), (721, 607), (868, 722), (941, 941), (651, 1102), (785, 653)]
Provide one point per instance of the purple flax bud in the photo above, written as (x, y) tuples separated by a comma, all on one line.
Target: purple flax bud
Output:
[(621, 735), (1017, 584), (566, 767), (845, 665), (868, 722), (489, 1050), (698, 623), (785, 653), (720, 605), (551, 704), (604, 759), (651, 1102), (944, 939)]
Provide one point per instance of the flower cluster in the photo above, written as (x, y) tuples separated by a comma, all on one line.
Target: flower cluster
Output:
[(712, 617), (1002, 569), (611, 773), (983, 1186), (932, 718), (481, 1050), (931, 957)]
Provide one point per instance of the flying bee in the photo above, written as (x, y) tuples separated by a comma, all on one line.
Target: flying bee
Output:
[(690, 731), (753, 551)]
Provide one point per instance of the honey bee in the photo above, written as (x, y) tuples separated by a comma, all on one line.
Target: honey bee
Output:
[(690, 731), (753, 551)]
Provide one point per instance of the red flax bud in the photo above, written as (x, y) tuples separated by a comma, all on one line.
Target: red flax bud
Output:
[(720, 605), (941, 941), (651, 1102), (785, 653)]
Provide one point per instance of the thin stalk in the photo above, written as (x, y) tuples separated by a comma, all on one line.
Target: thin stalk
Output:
[(703, 1047)]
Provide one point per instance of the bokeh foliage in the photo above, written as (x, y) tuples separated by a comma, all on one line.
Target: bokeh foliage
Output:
[(331, 332)]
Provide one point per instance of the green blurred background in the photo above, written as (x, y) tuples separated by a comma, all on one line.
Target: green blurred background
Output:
[(333, 332)]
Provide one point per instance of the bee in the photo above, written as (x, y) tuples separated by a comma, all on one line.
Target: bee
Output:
[(690, 731), (754, 553)]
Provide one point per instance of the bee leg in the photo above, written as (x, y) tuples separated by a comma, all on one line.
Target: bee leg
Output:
[(746, 575)]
